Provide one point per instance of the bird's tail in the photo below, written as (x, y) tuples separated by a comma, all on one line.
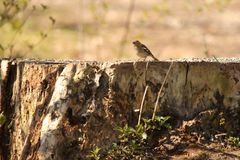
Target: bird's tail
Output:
[(154, 58)]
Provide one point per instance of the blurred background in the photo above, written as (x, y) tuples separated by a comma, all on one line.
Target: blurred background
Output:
[(104, 29)]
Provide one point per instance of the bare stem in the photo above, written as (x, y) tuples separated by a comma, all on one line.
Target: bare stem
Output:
[(141, 107), (144, 95), (160, 91)]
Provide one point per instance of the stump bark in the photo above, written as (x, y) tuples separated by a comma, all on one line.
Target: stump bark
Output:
[(62, 109)]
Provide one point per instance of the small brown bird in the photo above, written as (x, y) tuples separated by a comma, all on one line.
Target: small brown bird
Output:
[(143, 51)]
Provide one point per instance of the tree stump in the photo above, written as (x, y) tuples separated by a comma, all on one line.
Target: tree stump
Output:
[(62, 109)]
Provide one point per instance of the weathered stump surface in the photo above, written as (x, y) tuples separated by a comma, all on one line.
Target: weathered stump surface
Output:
[(60, 110)]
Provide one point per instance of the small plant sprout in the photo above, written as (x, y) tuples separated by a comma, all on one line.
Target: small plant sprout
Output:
[(95, 153)]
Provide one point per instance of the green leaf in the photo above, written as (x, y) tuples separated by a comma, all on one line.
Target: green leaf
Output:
[(105, 5), (156, 8), (131, 130), (144, 135), (114, 145), (43, 35), (2, 119), (1, 47), (44, 7), (16, 23), (92, 7), (52, 20), (95, 153), (22, 3)]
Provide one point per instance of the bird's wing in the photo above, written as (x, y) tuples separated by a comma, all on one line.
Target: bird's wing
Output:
[(146, 49)]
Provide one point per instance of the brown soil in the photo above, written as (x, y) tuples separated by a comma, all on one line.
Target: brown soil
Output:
[(192, 146)]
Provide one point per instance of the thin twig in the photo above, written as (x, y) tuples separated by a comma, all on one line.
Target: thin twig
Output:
[(43, 36), (81, 25), (144, 94), (18, 30), (127, 27), (7, 9), (206, 49), (215, 58), (160, 91), (141, 107)]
